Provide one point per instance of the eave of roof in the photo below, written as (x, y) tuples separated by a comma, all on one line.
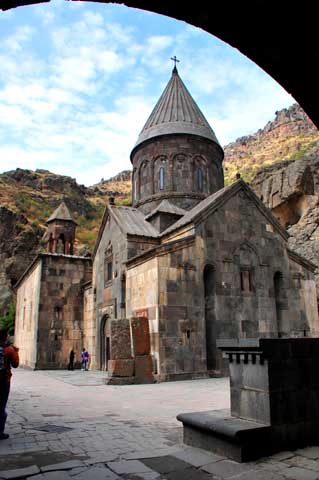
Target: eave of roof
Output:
[(214, 201)]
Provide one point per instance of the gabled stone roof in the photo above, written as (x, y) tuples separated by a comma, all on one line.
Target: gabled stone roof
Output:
[(176, 112), (166, 207), (61, 213), (216, 199), (131, 221)]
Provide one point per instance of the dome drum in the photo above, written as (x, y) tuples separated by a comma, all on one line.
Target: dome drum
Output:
[(177, 165)]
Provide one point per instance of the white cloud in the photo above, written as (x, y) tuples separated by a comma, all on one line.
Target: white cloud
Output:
[(19, 39), (78, 108)]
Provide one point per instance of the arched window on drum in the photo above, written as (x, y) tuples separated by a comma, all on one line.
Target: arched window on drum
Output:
[(161, 174), (200, 179)]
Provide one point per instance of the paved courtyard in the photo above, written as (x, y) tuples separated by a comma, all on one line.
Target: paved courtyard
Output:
[(66, 425)]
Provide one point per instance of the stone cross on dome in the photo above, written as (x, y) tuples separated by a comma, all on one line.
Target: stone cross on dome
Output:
[(175, 61)]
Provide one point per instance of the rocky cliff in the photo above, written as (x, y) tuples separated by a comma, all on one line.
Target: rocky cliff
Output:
[(27, 199), (291, 191), (286, 138)]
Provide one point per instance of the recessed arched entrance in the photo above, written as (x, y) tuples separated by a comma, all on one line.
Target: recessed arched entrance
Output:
[(105, 345)]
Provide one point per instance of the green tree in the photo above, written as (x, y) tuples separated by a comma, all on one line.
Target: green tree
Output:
[(7, 321)]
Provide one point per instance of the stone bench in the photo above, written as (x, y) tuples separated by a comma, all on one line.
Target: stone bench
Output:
[(274, 386)]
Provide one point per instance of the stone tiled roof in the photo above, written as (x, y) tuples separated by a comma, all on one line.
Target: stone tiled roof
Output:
[(132, 221), (223, 195), (176, 112), (197, 210), (61, 213), (167, 207)]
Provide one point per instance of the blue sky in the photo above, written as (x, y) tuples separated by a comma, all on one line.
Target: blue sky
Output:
[(79, 80)]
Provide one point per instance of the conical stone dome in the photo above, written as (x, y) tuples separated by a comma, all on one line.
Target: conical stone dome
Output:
[(176, 112), (177, 156)]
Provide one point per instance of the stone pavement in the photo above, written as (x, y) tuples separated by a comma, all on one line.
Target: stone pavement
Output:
[(70, 425)]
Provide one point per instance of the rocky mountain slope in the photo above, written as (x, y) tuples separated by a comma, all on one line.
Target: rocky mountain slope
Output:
[(27, 199), (280, 161), (291, 191), (286, 138)]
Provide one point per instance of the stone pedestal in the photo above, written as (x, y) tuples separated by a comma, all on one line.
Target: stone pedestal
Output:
[(131, 361), (274, 385)]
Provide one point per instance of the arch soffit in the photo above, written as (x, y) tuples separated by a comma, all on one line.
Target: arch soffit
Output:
[(160, 161), (211, 265), (200, 160)]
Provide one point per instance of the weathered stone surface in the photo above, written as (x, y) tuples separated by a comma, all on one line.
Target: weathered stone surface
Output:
[(121, 367), (197, 457), (140, 336), (68, 465), (291, 190), (120, 339), (180, 156), (129, 467), (274, 402), (50, 309), (143, 369), (227, 468), (19, 472)]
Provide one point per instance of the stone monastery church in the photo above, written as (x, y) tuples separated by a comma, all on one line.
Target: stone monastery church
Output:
[(196, 260)]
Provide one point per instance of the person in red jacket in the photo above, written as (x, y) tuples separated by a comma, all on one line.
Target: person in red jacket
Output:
[(9, 357)]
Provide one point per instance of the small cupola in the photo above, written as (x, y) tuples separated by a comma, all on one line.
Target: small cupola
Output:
[(60, 234), (165, 215)]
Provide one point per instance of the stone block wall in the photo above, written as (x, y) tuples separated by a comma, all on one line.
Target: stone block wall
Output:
[(303, 299), (27, 316), (107, 293), (89, 325), (182, 349), (237, 239), (180, 156), (60, 326), (142, 300), (276, 382)]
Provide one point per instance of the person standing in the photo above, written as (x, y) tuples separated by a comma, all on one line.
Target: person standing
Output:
[(71, 360), (9, 357), (85, 359)]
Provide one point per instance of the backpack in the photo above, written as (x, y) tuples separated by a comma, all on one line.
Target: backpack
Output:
[(3, 363)]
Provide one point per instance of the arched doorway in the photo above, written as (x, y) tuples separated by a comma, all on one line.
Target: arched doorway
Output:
[(278, 288), (210, 317), (105, 345)]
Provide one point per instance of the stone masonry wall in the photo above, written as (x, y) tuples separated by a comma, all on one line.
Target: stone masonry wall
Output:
[(61, 309), (243, 254), (142, 300), (26, 322), (180, 156), (303, 303), (181, 315), (108, 293), (237, 239), (89, 330)]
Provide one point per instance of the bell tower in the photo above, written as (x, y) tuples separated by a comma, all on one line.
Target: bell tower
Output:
[(177, 156), (60, 234)]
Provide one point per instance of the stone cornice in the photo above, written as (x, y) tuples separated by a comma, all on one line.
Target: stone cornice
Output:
[(160, 250)]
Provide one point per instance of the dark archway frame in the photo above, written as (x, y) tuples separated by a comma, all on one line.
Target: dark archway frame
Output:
[(280, 37)]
